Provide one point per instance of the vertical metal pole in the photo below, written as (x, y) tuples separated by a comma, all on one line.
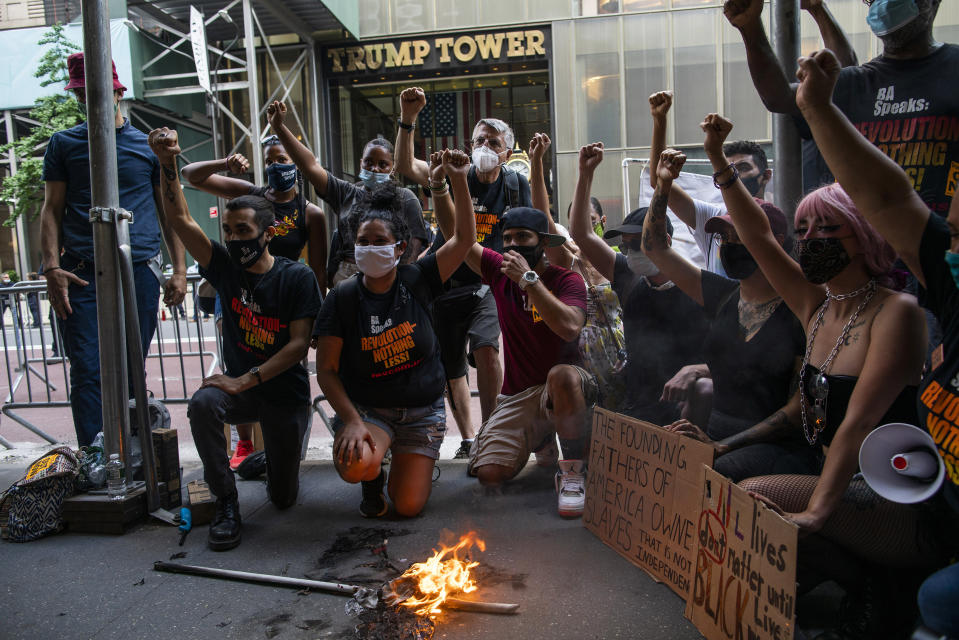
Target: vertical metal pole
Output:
[(315, 101), (105, 193), (22, 262), (254, 92), (787, 147), (215, 139)]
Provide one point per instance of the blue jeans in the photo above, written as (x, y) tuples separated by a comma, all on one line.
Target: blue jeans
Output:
[(938, 596), (82, 344)]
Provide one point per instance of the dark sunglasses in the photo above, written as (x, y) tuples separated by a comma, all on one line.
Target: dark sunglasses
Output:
[(636, 244)]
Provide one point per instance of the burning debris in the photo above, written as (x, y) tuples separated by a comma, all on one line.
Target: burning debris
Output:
[(402, 608)]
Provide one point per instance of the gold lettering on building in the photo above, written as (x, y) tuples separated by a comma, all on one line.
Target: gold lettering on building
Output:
[(413, 53)]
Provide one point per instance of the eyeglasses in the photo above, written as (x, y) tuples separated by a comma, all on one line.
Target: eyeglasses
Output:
[(492, 143), (636, 244)]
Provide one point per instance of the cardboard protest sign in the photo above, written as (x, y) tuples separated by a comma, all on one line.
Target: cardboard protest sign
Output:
[(643, 494), (744, 586)]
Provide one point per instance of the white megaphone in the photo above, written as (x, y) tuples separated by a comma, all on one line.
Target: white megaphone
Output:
[(901, 463)]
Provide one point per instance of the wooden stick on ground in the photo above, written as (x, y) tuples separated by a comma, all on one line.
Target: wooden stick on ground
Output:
[(318, 585)]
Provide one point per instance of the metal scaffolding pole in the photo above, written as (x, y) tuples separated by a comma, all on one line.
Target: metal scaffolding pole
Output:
[(253, 92), (20, 237), (105, 202), (787, 148)]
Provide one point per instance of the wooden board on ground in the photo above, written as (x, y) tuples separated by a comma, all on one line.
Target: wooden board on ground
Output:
[(643, 495), (744, 584)]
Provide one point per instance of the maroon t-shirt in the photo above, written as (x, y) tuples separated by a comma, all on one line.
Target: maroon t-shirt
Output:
[(530, 347)]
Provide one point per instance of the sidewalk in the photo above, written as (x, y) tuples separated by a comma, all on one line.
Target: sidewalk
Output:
[(568, 584)]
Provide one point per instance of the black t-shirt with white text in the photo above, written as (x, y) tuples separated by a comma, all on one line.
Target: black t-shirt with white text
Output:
[(909, 109), (939, 391), (257, 312), (490, 202), (390, 355)]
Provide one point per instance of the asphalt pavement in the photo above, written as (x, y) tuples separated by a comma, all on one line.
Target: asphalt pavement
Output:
[(568, 584)]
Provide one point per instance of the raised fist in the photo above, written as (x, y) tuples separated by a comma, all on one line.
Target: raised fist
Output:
[(670, 164), (237, 163), (276, 114), (590, 156), (538, 146), (164, 143), (741, 13), (412, 101), (717, 129), (660, 103), (817, 78)]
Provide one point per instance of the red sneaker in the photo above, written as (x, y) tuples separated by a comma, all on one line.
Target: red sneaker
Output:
[(243, 449)]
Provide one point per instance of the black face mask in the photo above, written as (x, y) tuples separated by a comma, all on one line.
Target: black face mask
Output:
[(751, 183), (532, 254), (822, 259), (737, 261), (245, 253)]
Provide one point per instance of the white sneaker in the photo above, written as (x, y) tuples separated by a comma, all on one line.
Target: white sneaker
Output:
[(548, 454), (571, 486)]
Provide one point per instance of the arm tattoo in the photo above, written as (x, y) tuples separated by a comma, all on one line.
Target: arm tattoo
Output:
[(170, 178), (654, 231)]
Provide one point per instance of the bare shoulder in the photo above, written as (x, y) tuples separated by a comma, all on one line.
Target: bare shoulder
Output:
[(897, 308)]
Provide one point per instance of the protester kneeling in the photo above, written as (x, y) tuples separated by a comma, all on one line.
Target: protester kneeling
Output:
[(269, 306), (541, 311), (378, 360)]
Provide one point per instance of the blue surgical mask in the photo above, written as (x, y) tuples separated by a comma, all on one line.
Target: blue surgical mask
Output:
[(281, 177), (371, 178), (886, 16), (952, 259)]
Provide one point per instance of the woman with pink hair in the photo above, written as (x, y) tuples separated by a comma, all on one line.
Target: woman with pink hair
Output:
[(865, 348)]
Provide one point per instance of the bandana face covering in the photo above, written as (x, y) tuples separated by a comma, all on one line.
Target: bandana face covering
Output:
[(245, 253), (822, 259), (375, 260), (281, 177), (532, 255), (737, 261)]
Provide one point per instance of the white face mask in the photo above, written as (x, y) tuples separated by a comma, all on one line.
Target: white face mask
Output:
[(485, 159), (376, 260), (641, 265)]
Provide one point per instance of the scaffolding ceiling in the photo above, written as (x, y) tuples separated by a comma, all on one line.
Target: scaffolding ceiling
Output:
[(303, 17)]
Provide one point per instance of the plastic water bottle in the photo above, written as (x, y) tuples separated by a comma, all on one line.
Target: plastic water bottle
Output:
[(116, 483)]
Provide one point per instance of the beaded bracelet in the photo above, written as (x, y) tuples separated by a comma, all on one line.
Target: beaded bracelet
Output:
[(728, 183)]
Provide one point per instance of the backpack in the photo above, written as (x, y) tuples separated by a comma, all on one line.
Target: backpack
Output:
[(348, 291), (33, 506)]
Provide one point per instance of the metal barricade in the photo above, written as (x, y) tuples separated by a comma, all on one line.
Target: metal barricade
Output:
[(38, 375)]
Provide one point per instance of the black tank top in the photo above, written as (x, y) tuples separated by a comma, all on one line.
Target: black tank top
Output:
[(291, 234), (903, 408)]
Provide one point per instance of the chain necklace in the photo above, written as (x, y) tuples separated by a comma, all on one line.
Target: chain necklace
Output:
[(820, 386), (247, 296)]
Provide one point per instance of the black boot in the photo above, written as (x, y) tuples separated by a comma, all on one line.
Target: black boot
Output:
[(225, 529), (374, 501)]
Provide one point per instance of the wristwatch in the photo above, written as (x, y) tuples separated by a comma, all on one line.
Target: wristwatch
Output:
[(255, 371), (403, 125), (529, 279)]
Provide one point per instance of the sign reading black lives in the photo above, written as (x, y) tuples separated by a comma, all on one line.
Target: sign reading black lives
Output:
[(438, 52)]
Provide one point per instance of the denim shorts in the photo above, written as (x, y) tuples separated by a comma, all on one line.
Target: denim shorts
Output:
[(418, 430)]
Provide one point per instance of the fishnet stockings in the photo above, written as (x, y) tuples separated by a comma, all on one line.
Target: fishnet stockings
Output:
[(874, 529)]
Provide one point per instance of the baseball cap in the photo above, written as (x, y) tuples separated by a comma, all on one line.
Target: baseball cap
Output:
[(534, 220)]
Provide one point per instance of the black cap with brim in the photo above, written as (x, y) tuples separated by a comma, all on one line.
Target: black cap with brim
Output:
[(534, 220), (633, 223)]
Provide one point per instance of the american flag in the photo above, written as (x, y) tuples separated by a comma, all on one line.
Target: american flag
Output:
[(456, 112)]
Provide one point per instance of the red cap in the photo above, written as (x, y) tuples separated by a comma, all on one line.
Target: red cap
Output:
[(777, 220), (77, 80)]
